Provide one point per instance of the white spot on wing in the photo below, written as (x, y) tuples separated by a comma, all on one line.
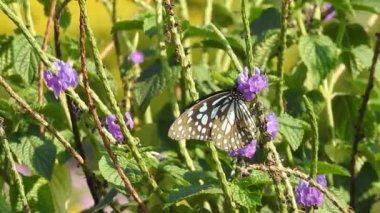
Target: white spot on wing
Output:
[(204, 119)]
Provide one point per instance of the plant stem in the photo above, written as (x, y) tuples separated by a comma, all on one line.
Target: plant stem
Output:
[(248, 40), (315, 141), (228, 47), (170, 81), (16, 176), (222, 177), (280, 63), (131, 141), (28, 16), (95, 116), (41, 120), (358, 136)]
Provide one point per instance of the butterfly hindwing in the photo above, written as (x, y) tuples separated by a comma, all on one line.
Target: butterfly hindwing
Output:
[(223, 118)]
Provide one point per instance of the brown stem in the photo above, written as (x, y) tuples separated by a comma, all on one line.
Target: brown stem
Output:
[(106, 142), (44, 47), (359, 122)]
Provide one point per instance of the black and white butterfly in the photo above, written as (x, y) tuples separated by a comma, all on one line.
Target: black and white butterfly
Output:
[(222, 118)]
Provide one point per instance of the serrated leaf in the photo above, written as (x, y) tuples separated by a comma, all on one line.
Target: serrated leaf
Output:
[(60, 187), (108, 171), (25, 61), (192, 191), (127, 25), (6, 53), (292, 129), (318, 53), (65, 15), (357, 59), (366, 5), (247, 191), (151, 82), (269, 19), (36, 153), (263, 48)]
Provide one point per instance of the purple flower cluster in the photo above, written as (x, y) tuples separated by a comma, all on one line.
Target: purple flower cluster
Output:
[(248, 151), (271, 125), (309, 196), (115, 129), (137, 57), (66, 77), (328, 12), (251, 85)]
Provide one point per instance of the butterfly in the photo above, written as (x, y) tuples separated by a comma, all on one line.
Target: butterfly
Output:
[(221, 117)]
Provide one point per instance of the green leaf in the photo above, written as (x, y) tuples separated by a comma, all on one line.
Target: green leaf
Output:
[(328, 168), (6, 53), (108, 171), (338, 153), (318, 53), (268, 20), (367, 5), (357, 59), (149, 26), (127, 25), (151, 82), (25, 59), (36, 153), (292, 129), (65, 15), (190, 192), (343, 106), (342, 5), (60, 187), (106, 200), (245, 193), (354, 34), (221, 16)]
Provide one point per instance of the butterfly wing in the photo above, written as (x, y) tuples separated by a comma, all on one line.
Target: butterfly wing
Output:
[(196, 121), (234, 128), (223, 118)]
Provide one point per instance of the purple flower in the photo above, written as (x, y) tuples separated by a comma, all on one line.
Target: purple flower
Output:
[(66, 77), (23, 169), (115, 129), (137, 57), (310, 196), (328, 12), (250, 86), (271, 125), (248, 151), (129, 120)]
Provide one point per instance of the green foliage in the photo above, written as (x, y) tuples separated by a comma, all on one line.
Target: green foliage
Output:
[(318, 53), (37, 153), (292, 129)]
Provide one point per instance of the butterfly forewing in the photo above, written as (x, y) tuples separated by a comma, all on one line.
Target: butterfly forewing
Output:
[(222, 118)]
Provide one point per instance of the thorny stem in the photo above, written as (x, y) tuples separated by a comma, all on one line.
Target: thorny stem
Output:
[(167, 70), (248, 40), (228, 47), (106, 142), (273, 157), (131, 141), (315, 141), (41, 120), (15, 174), (44, 47), (303, 176), (280, 63), (222, 177), (359, 122), (194, 94), (180, 51)]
